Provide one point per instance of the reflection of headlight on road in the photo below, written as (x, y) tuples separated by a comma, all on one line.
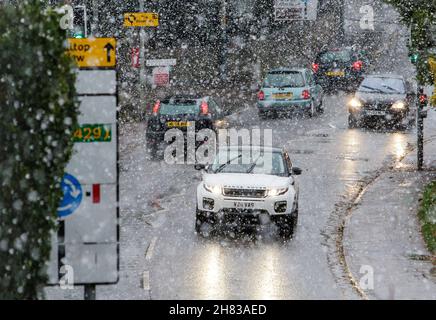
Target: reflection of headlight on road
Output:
[(212, 189), (355, 103), (399, 105), (277, 192)]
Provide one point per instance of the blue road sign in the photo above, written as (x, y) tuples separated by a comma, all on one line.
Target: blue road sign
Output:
[(73, 195)]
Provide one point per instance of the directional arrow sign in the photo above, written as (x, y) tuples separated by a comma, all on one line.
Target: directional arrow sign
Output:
[(93, 52), (141, 19)]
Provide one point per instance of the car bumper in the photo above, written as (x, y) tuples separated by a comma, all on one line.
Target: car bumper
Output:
[(212, 204), (269, 105), (381, 114)]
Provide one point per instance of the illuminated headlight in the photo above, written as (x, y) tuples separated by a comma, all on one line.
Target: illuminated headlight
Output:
[(399, 105), (277, 192), (355, 103), (212, 189)]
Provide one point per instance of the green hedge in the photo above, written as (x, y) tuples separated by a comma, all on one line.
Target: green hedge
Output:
[(427, 215), (38, 113)]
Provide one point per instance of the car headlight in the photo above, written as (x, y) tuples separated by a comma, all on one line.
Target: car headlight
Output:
[(277, 191), (399, 105), (212, 189), (355, 103)]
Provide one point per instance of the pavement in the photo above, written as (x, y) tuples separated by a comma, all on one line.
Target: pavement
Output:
[(382, 237)]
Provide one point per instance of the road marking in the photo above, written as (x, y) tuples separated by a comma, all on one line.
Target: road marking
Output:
[(150, 249), (146, 280)]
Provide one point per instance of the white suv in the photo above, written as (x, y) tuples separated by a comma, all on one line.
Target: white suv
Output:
[(249, 185)]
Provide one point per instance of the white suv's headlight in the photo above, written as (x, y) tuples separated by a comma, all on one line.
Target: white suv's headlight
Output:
[(212, 189), (277, 191)]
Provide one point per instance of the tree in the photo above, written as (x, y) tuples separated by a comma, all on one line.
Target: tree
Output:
[(419, 15), (38, 114)]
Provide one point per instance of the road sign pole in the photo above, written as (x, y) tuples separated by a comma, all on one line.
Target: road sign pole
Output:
[(90, 292), (142, 74), (420, 127)]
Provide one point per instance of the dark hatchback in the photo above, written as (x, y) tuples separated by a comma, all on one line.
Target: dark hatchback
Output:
[(340, 69), (182, 112)]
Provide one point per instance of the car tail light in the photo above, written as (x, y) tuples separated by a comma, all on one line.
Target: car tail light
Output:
[(156, 107), (204, 108), (315, 67), (305, 94), (357, 66), (261, 95)]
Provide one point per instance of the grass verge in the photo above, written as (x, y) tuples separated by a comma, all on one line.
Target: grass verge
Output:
[(427, 216)]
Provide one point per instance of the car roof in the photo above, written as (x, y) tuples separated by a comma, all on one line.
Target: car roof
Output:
[(384, 75), (250, 147), (287, 70), (185, 97)]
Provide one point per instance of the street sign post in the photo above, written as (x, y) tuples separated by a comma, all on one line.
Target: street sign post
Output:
[(160, 62), (291, 10), (87, 242), (141, 19), (93, 52)]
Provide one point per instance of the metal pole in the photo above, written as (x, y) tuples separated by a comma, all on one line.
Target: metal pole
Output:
[(223, 55), (90, 292), (142, 74), (420, 131)]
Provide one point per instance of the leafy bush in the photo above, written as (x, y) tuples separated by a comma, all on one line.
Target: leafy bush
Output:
[(38, 113), (427, 215)]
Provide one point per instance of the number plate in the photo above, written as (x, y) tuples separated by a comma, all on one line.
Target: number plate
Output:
[(178, 124), (243, 205), (282, 96), (375, 113), (87, 133), (335, 73)]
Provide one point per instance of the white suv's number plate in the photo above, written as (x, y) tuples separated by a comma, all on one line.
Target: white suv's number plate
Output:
[(243, 205)]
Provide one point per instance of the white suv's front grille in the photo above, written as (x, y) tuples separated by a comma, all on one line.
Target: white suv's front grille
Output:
[(245, 193)]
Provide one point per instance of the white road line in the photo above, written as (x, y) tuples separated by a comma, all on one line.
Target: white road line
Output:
[(146, 280), (150, 250)]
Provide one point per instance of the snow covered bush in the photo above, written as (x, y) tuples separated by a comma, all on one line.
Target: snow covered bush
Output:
[(37, 116)]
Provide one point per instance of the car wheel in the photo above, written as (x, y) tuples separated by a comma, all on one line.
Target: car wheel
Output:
[(152, 149), (320, 108), (352, 122), (262, 115), (200, 224), (311, 110), (286, 227)]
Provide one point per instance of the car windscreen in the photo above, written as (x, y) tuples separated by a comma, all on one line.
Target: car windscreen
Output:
[(284, 79), (237, 161), (179, 106), (382, 85), (338, 56)]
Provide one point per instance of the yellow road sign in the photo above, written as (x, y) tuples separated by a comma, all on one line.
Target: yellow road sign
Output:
[(141, 19), (93, 52), (432, 62)]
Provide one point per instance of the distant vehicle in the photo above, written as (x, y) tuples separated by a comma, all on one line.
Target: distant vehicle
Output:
[(340, 69), (181, 112), (382, 97), (285, 90), (248, 193)]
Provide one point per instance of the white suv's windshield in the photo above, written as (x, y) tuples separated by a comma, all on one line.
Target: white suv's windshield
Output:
[(236, 161)]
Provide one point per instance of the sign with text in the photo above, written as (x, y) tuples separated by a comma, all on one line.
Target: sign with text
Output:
[(141, 19), (161, 77), (161, 62), (86, 247), (93, 52)]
